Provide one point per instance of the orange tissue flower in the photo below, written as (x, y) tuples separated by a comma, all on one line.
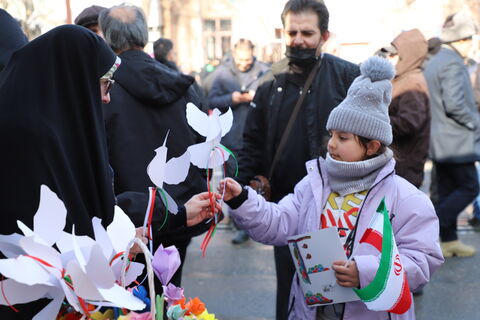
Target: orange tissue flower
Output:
[(195, 306)]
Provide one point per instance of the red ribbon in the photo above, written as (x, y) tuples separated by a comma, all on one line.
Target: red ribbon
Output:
[(5, 298), (211, 231), (150, 212)]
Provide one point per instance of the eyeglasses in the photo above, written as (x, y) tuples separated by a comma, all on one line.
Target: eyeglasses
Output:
[(108, 85)]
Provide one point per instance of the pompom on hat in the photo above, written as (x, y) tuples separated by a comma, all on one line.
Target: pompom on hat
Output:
[(364, 112)]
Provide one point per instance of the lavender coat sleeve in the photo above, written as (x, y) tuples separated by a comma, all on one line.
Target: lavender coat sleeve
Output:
[(416, 231), (272, 223)]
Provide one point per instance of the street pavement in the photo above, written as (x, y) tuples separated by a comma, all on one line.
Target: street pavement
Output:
[(238, 281)]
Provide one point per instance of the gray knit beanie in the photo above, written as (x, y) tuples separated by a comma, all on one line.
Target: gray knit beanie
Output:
[(364, 111)]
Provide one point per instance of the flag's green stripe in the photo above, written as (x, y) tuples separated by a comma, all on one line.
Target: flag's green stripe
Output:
[(377, 286)]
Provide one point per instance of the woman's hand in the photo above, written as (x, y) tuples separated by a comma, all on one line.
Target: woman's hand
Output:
[(139, 233), (346, 276), (232, 188), (198, 208)]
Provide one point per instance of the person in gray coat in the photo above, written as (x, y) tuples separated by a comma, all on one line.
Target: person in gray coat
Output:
[(455, 129)]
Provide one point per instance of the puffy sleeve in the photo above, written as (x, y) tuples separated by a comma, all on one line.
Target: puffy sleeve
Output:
[(268, 222)]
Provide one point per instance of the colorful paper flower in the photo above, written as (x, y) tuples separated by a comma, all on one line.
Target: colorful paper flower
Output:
[(139, 316), (172, 293), (107, 315), (165, 263), (175, 312), (195, 306), (207, 316)]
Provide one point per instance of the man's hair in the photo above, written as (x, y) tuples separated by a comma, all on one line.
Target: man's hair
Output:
[(244, 44), (124, 27), (300, 6), (161, 48)]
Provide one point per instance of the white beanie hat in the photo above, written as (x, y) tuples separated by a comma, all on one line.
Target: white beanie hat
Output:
[(364, 111)]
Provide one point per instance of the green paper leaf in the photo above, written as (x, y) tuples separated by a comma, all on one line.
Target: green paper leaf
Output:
[(159, 301)]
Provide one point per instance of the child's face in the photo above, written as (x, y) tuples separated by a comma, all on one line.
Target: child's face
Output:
[(345, 146)]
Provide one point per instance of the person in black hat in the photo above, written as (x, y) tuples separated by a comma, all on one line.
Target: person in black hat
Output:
[(88, 18)]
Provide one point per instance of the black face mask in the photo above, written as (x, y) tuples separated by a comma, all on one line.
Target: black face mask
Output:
[(301, 57)]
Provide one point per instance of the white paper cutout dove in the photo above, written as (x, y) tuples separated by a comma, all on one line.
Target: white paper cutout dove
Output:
[(209, 126), (36, 270), (172, 172), (209, 154)]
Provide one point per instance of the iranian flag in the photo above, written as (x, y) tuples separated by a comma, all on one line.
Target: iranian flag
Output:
[(389, 290)]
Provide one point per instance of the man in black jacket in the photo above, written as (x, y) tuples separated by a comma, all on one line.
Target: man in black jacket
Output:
[(234, 86), (306, 30), (148, 101)]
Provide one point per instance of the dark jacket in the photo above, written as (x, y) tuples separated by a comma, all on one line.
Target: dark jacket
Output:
[(455, 131), (410, 110), (229, 79), (275, 98), (147, 101)]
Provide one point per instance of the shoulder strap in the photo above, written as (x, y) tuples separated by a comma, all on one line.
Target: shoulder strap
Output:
[(293, 117)]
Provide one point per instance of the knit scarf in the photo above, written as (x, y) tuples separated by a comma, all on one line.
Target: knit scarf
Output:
[(350, 177)]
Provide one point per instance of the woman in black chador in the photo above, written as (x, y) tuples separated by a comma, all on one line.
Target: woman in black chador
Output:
[(12, 37), (52, 133)]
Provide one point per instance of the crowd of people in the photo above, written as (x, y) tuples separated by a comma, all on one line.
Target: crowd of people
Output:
[(94, 107)]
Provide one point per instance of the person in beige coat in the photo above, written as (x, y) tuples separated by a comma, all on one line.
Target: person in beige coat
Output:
[(409, 110)]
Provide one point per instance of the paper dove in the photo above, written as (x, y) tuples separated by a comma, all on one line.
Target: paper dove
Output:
[(209, 154), (172, 172), (81, 272), (209, 126)]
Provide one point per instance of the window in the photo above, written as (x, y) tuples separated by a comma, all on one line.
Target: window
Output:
[(217, 35)]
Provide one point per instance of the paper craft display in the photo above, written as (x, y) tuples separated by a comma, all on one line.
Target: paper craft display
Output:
[(82, 271), (209, 154), (313, 255), (173, 171)]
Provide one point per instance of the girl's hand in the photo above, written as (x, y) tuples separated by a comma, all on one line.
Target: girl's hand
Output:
[(198, 208), (232, 188), (346, 276)]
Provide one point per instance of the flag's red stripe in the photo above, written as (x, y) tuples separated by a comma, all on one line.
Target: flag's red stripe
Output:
[(372, 237), (405, 300)]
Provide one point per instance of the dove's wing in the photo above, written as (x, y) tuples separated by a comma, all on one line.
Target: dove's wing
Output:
[(49, 221), (10, 245), (121, 231), (24, 270), (176, 169), (52, 309), (226, 121), (45, 252), (21, 293), (102, 238), (207, 155), (65, 242), (197, 119)]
